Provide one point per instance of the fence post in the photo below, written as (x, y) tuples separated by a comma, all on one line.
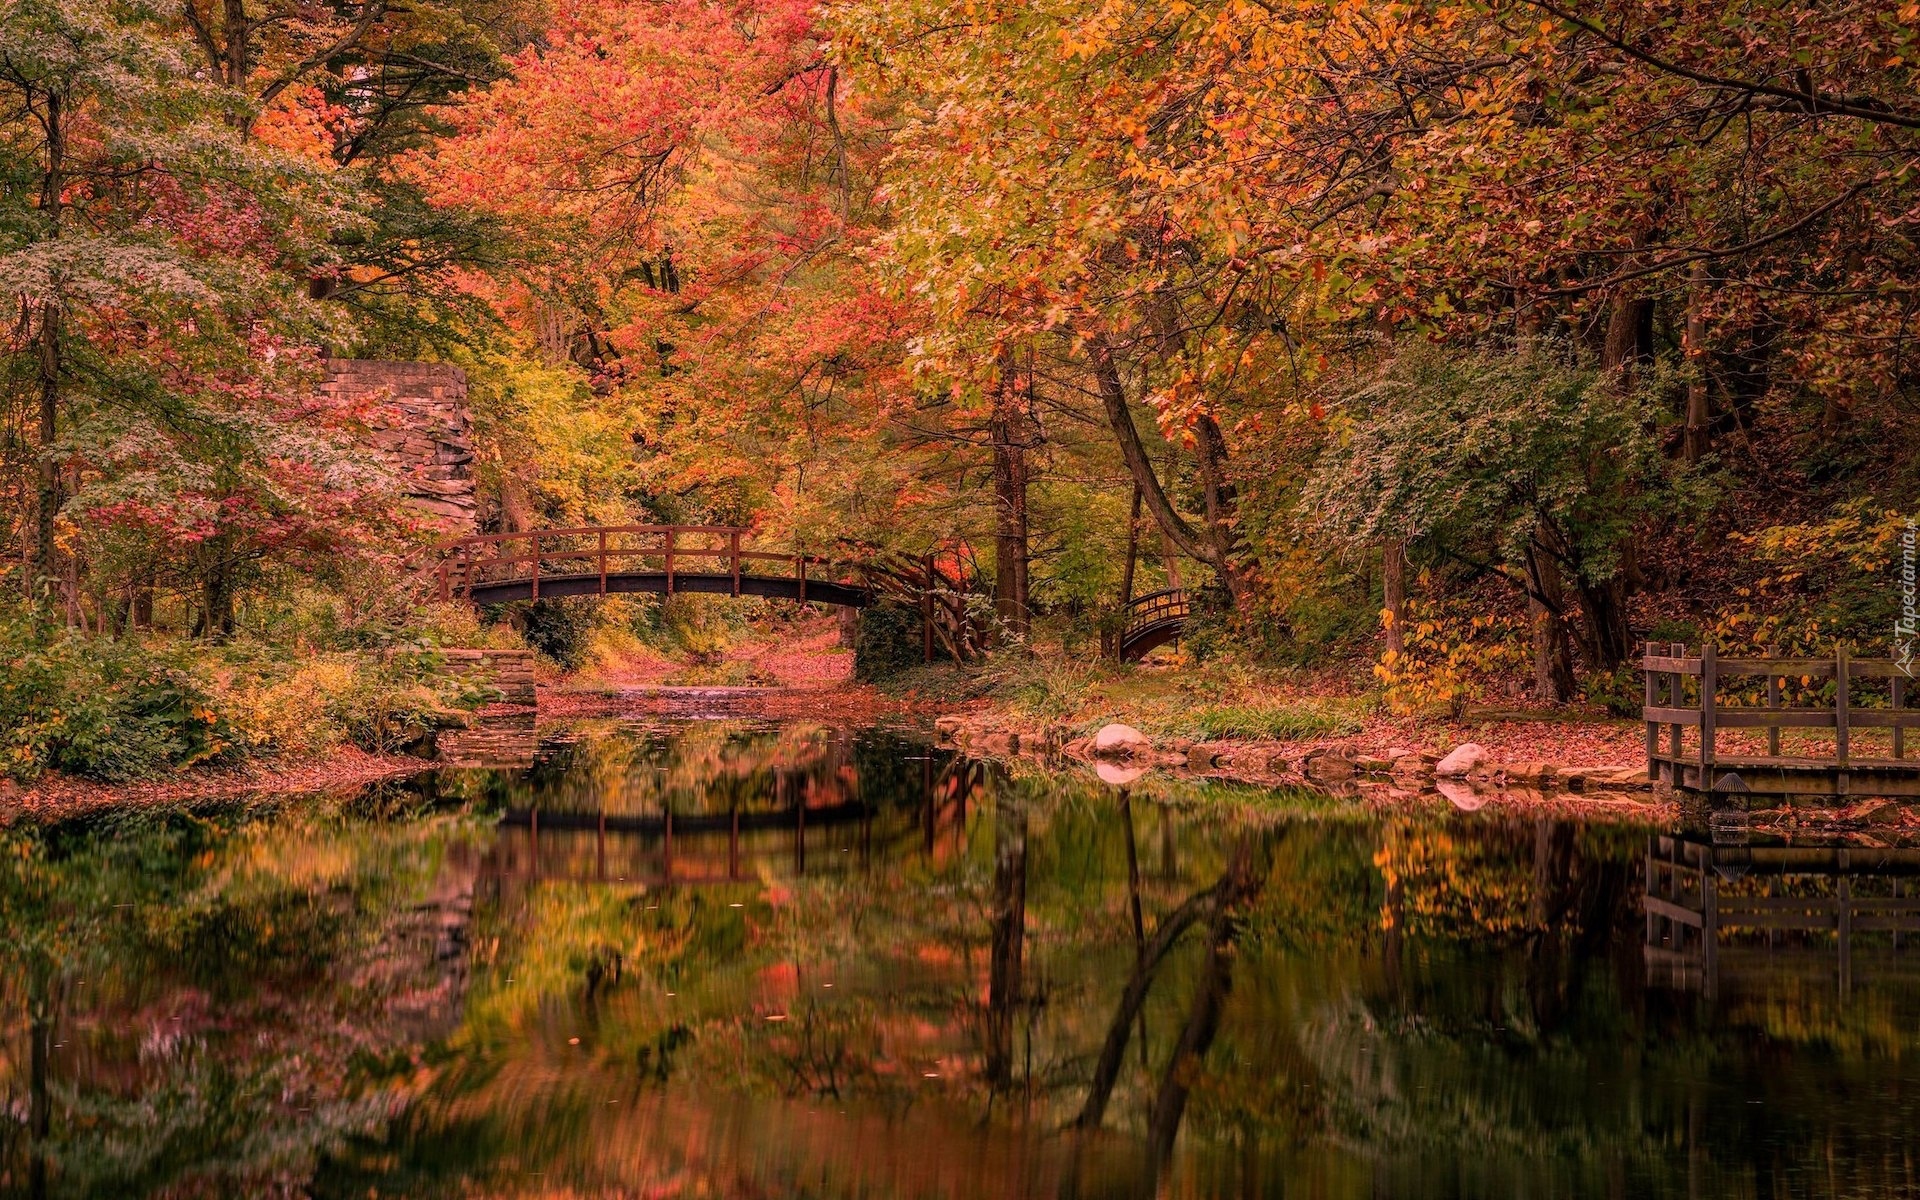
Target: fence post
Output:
[(1709, 683), (1899, 703), (1646, 716), (1773, 701), (1840, 703), (1676, 688)]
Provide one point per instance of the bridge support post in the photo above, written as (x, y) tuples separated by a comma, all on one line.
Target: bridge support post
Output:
[(926, 609)]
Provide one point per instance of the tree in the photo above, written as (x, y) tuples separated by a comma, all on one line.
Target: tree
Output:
[(153, 254), (1523, 460)]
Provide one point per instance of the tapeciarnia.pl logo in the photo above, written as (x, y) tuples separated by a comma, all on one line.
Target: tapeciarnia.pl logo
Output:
[(1906, 627)]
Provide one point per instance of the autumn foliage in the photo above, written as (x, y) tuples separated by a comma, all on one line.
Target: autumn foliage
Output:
[(1536, 307)]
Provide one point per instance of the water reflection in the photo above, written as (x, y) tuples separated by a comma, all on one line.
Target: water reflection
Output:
[(739, 959), (1718, 911)]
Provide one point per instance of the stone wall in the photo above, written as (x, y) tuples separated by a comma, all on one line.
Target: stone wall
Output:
[(418, 413), (510, 671)]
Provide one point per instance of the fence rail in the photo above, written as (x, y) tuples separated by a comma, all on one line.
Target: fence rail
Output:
[(1699, 691)]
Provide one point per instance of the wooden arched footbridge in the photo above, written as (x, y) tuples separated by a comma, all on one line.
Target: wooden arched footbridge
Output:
[(1151, 621), (495, 568)]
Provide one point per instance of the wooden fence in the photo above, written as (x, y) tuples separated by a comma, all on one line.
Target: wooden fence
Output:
[(1853, 698)]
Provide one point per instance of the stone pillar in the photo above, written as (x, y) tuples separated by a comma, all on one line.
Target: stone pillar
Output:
[(420, 423)]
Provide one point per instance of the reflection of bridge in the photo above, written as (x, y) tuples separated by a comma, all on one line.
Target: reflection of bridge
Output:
[(677, 849), (1713, 910), (495, 568)]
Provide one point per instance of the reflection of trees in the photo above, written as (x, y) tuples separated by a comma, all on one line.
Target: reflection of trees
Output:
[(1008, 936), (710, 766), (1218, 906), (1332, 998), (195, 988)]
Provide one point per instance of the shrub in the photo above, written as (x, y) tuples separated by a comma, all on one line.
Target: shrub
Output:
[(116, 710), (561, 629), (888, 642), (1455, 650), (102, 709), (391, 704)]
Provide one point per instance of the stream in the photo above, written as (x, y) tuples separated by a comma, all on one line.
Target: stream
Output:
[(742, 958)]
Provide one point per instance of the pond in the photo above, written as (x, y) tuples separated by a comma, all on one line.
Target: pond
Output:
[(728, 958)]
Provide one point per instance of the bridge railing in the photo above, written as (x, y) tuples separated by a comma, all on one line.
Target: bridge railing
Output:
[(672, 550)]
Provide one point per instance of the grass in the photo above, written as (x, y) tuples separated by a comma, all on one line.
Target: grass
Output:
[(1282, 722), (1212, 702)]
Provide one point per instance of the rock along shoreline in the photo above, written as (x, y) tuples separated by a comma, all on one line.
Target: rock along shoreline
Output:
[(1466, 775)]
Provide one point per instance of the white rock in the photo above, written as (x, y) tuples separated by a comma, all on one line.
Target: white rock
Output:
[(1118, 741), (1462, 796), (1463, 759), (1116, 774)]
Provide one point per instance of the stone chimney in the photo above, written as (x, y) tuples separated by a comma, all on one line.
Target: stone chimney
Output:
[(421, 425)]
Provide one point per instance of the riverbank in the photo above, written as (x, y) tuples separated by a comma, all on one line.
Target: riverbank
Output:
[(340, 769)]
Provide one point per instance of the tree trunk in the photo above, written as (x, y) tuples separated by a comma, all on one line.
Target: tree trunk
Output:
[(1605, 639), (1393, 571), (49, 363), (1009, 937), (1211, 447), (1552, 649), (237, 28), (143, 604), (1629, 336), (1173, 526), (1698, 432), (1133, 550), (216, 588), (1010, 431), (1170, 559)]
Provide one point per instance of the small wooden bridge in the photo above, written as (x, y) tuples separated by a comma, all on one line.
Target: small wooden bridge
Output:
[(1150, 621), (1846, 719), (495, 568)]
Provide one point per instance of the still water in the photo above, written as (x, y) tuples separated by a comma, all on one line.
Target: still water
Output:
[(737, 959)]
